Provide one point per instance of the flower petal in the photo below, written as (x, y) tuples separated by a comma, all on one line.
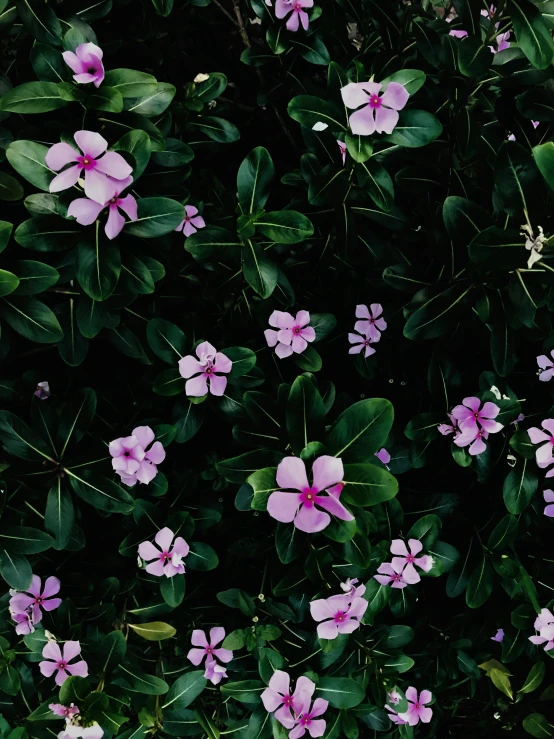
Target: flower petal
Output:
[(59, 155), (196, 656), (148, 551), (114, 224), (395, 96), (291, 473), (311, 520), (280, 682), (85, 211), (98, 187), (385, 120), (283, 506), (362, 122), (71, 650), (114, 165), (65, 179), (91, 143)]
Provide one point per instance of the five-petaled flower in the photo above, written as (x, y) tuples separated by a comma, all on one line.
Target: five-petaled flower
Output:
[(133, 460), (56, 662), (300, 507), (86, 211), (389, 574), (470, 415), (543, 454), (35, 597), (379, 112), (372, 321), (191, 222), (362, 343), (307, 719), (298, 15), (211, 366), (168, 558), (293, 334), (407, 559), (417, 707), (98, 165), (278, 698), (339, 614), (544, 624), (208, 649), (86, 62), (546, 367)]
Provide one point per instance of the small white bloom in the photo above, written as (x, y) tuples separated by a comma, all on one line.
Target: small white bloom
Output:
[(532, 244)]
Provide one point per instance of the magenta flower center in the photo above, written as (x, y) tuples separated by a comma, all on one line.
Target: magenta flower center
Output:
[(91, 70), (114, 200), (309, 496), (87, 162), (551, 440), (209, 650), (417, 706), (305, 720), (396, 577), (340, 616), (287, 700), (296, 330), (297, 7), (410, 558), (367, 342), (38, 600), (62, 665), (375, 101), (166, 556)]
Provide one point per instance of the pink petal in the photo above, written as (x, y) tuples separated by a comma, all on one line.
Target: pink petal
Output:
[(61, 677), (357, 608), (35, 586), (198, 222), (327, 630), (355, 339), (146, 472), (298, 344), (425, 563), (114, 165), (271, 336), (395, 96), (308, 333), (79, 668), (546, 375), (382, 579), (280, 682), (188, 228), (73, 61), (411, 695), (48, 668), (196, 656), (199, 638), (59, 155), (410, 574), (52, 651), (536, 435), (387, 569), (362, 311), (327, 471), (293, 22), (425, 714), (144, 435), (490, 410), (548, 496), (285, 336), (217, 635), (88, 51), (20, 602), (156, 453), (205, 349), (549, 511), (197, 387), (472, 403), (218, 383), (310, 520), (415, 546), (283, 351), (191, 210), (319, 707), (304, 686), (148, 551), (71, 650), (223, 655), (181, 548), (284, 717), (283, 506), (347, 627), (271, 699), (321, 609), (491, 427), (98, 187), (128, 205), (85, 211), (425, 697), (332, 505), (222, 363), (84, 78), (291, 473), (298, 730), (163, 539), (397, 546), (362, 122), (281, 319), (65, 179), (385, 119), (355, 94), (478, 447), (156, 568), (91, 143), (543, 455), (302, 318), (189, 366), (50, 604), (548, 424), (357, 349)]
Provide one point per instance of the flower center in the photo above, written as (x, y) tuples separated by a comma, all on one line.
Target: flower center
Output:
[(62, 665), (304, 720), (166, 556), (340, 616), (91, 70), (209, 650), (476, 414), (127, 454), (375, 101), (410, 558), (297, 7), (187, 218), (87, 162), (287, 700), (417, 706), (551, 440), (396, 577), (209, 370), (309, 496), (296, 330), (367, 342), (113, 201), (38, 600)]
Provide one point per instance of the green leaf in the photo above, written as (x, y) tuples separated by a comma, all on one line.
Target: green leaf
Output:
[(254, 179), (480, 584), (154, 631), (520, 486), (360, 430), (59, 515), (32, 97), (243, 360), (235, 598), (185, 690), (536, 725), (34, 277), (305, 413), (111, 651), (309, 360), (515, 177), (503, 533), (309, 111), (136, 276), (25, 540), (15, 570), (168, 383), (463, 219), (98, 268), (360, 148), (173, 590), (48, 63), (105, 98), (259, 271), (166, 340), (474, 57), (217, 129), (341, 692), (237, 469), (18, 439), (47, 233), (10, 189), (211, 88), (263, 483), (5, 233), (138, 144), (153, 103), (142, 683), (213, 243), (76, 417), (495, 248), (532, 33), (130, 83), (176, 154), (323, 324), (163, 7), (285, 227), (28, 159), (414, 129), (377, 182), (367, 485), (91, 316), (244, 691), (534, 678), (426, 529), (202, 557), (40, 21), (156, 216), (8, 282), (436, 312), (411, 79), (101, 492), (287, 542)]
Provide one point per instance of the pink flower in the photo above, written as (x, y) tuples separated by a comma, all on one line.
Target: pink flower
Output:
[(546, 367), (473, 438), (56, 663), (371, 324), (300, 507), (214, 671), (470, 416), (86, 211), (545, 636), (192, 221), (383, 456), (339, 614), (405, 560), (545, 618), (417, 710), (86, 62), (389, 574), (455, 33), (42, 391), (293, 334), (24, 623), (168, 559), (343, 150), (394, 698), (278, 699), (543, 454), (379, 112), (362, 343), (211, 365), (499, 636), (132, 460), (298, 15), (34, 599), (502, 42), (305, 721), (97, 168), (449, 428), (548, 496), (349, 587), (66, 712)]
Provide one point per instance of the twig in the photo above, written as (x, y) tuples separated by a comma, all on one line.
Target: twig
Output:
[(226, 12)]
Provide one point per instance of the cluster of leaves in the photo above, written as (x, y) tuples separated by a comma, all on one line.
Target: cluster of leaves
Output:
[(216, 105)]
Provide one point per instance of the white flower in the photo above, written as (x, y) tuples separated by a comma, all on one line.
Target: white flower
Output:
[(532, 244)]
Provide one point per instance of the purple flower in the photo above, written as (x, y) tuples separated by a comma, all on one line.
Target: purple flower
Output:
[(545, 636), (502, 42), (371, 324), (279, 699), (473, 438), (350, 588), (86, 211), (543, 454), (293, 334), (66, 712), (97, 168), (379, 112), (168, 559), (33, 599), (305, 720), (417, 710), (449, 428), (470, 416), (395, 698), (388, 574), (548, 496), (546, 367), (300, 507), (214, 671), (343, 150), (499, 636), (57, 663), (132, 460), (339, 614), (383, 456), (298, 15), (192, 222), (455, 33), (545, 618), (86, 62), (211, 365), (362, 343), (24, 623), (407, 559), (42, 390)]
